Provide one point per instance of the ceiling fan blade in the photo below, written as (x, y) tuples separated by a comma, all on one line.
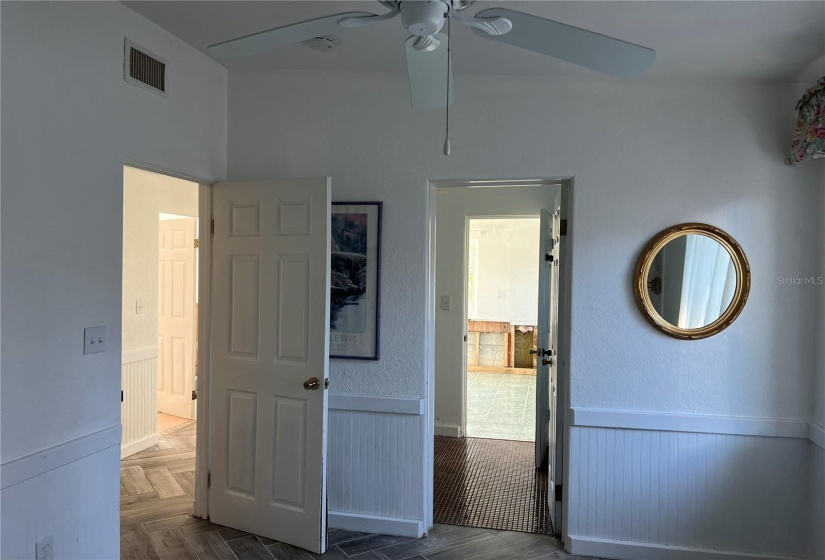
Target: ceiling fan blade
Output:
[(282, 36), (572, 44), (428, 74)]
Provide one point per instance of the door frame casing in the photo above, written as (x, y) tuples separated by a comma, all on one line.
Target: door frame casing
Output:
[(565, 285), (200, 501)]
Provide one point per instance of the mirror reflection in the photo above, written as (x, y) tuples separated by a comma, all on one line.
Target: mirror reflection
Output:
[(692, 281)]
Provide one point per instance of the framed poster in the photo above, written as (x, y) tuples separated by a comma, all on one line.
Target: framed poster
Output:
[(354, 295)]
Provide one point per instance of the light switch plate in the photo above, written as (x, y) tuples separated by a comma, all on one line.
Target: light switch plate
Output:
[(45, 549), (94, 340), (446, 303)]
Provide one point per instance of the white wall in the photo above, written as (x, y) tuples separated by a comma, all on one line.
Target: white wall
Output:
[(69, 122), (644, 154), (145, 195), (453, 206), (508, 270), (816, 547)]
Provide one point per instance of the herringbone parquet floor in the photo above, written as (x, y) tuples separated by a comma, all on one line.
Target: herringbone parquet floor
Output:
[(157, 486)]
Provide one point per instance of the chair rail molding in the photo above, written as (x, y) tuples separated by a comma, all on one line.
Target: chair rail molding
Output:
[(694, 423), (34, 464)]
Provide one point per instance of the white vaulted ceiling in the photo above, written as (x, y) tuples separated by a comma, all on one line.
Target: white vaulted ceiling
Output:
[(704, 40)]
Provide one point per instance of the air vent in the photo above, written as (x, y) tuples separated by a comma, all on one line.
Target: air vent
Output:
[(144, 69)]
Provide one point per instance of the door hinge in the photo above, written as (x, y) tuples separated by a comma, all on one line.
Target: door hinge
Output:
[(559, 491), (562, 227), (208, 479), (212, 227), (121, 395), (197, 242), (194, 394)]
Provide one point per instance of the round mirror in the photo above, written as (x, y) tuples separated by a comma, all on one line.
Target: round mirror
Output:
[(692, 281)]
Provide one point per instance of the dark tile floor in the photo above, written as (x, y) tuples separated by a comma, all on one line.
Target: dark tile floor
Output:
[(156, 524), (490, 483)]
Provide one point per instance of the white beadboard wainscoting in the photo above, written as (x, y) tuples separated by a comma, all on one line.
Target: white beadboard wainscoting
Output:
[(376, 464), (139, 411), (816, 544), (662, 486)]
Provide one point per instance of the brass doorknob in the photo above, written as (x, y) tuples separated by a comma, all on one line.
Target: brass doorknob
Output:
[(312, 384)]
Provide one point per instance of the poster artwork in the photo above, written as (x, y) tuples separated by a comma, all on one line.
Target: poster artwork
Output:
[(353, 279)]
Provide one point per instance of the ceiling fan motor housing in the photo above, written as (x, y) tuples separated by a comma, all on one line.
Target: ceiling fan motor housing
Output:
[(423, 18)]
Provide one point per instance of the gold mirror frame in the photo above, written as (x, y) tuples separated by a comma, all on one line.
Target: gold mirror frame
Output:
[(740, 296)]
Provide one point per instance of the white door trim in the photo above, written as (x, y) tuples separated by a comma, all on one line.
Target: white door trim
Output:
[(566, 184), (201, 501)]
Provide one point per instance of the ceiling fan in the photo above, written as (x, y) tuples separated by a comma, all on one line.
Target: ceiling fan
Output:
[(428, 56)]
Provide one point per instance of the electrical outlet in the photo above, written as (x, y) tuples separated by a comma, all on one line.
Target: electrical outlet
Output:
[(94, 340), (45, 549)]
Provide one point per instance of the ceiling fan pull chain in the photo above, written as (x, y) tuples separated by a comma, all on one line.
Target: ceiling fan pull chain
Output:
[(449, 37)]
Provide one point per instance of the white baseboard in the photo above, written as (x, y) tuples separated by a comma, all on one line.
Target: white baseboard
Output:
[(628, 550), (138, 446), (446, 430), (374, 524)]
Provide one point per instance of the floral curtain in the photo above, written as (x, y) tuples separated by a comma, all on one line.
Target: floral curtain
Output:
[(809, 138)]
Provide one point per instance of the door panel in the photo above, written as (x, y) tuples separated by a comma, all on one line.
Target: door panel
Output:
[(270, 334), (543, 338), (547, 358), (176, 316), (553, 344)]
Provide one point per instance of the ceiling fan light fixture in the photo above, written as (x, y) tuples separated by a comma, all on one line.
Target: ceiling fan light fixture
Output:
[(423, 18), (427, 44)]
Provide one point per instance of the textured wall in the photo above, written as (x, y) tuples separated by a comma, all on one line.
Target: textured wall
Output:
[(644, 154), (69, 123)]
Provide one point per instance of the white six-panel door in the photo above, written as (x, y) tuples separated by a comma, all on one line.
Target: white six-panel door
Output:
[(270, 336), (543, 337), (547, 357), (553, 432), (176, 316)]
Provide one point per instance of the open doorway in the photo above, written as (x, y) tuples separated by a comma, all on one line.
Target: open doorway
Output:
[(159, 314), (498, 370), (502, 314)]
